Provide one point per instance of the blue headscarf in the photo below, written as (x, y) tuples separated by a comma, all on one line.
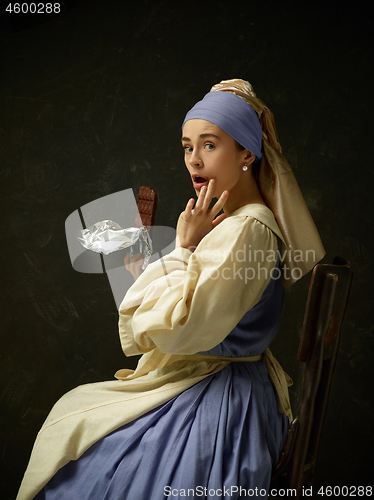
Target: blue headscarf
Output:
[(233, 115)]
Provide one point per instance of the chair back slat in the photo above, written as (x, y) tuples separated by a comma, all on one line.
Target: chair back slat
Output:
[(326, 304)]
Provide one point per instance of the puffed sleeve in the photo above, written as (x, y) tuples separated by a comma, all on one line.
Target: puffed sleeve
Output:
[(189, 302)]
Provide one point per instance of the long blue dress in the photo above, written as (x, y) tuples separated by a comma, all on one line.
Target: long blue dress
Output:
[(214, 440)]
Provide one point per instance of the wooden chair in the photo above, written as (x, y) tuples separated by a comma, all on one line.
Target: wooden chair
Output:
[(326, 304)]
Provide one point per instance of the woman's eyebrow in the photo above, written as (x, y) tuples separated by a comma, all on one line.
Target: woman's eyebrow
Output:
[(201, 136)]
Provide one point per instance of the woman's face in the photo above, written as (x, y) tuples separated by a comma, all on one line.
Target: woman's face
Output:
[(210, 153)]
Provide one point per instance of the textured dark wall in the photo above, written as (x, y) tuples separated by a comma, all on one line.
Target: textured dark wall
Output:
[(92, 103)]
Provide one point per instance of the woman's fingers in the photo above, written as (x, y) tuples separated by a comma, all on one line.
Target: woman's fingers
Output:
[(203, 202), (220, 203), (135, 258), (218, 220), (189, 207), (126, 259), (197, 221), (205, 196), (201, 199), (134, 264), (209, 194)]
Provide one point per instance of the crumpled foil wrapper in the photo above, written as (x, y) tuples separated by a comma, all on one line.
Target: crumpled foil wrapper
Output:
[(107, 236)]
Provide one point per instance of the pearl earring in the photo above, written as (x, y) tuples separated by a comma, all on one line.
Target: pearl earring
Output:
[(245, 168)]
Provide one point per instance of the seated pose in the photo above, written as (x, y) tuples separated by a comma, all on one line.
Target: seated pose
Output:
[(206, 412)]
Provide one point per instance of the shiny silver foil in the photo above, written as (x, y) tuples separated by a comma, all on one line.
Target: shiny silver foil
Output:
[(107, 236)]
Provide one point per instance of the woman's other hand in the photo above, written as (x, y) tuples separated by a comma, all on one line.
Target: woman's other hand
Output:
[(134, 265), (177, 242), (196, 222)]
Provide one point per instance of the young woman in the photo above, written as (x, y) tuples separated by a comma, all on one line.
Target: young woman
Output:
[(206, 411)]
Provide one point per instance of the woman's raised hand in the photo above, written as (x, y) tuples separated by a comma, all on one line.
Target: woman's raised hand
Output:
[(134, 264), (196, 222)]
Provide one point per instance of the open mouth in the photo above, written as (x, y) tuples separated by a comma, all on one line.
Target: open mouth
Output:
[(199, 181)]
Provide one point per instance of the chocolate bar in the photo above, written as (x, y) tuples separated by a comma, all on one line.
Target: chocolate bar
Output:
[(147, 205)]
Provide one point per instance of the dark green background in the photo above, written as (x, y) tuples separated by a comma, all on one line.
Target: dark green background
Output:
[(92, 102)]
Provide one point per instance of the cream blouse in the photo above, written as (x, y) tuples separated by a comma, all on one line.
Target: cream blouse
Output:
[(182, 304)]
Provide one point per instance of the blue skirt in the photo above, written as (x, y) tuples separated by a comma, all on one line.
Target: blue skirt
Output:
[(216, 439), (222, 434)]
